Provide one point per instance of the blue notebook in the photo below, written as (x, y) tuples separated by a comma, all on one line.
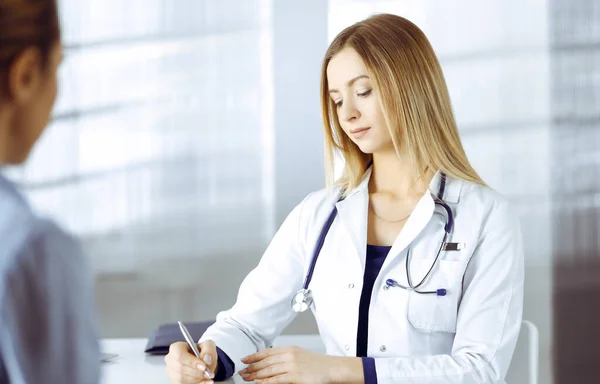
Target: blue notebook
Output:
[(167, 334)]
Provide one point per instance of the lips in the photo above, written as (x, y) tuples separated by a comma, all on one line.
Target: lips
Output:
[(359, 132)]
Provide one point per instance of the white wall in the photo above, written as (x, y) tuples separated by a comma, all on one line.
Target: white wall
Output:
[(300, 42)]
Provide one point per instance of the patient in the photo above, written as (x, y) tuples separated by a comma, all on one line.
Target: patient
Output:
[(47, 320)]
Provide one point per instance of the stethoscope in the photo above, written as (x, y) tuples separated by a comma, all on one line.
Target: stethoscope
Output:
[(303, 299)]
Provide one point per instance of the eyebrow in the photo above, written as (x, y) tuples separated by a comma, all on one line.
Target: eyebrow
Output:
[(349, 84)]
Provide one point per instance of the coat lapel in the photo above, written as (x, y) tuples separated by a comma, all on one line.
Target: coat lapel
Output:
[(421, 216), (353, 214)]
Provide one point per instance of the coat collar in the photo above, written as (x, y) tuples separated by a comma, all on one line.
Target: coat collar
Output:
[(451, 192), (353, 212)]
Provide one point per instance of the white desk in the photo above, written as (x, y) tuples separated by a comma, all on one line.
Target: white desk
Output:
[(132, 365)]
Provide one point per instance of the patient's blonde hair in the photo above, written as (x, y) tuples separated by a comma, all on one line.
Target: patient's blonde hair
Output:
[(414, 98)]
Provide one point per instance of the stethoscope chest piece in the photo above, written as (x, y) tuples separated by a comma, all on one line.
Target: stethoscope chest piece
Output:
[(302, 300)]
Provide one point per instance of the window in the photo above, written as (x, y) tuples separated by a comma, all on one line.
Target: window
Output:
[(159, 144)]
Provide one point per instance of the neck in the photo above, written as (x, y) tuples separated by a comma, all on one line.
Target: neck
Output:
[(397, 177)]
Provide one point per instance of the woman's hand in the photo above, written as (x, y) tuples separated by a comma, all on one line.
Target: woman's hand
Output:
[(183, 367), (300, 366)]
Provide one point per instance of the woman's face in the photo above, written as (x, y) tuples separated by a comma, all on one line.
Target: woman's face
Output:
[(33, 93), (357, 103)]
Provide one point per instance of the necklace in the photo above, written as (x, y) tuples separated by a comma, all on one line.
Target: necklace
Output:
[(385, 220)]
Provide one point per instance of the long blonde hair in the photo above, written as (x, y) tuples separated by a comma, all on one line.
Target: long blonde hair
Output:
[(414, 99)]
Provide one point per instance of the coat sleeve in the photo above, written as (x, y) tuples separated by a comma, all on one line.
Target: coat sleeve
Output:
[(263, 306)]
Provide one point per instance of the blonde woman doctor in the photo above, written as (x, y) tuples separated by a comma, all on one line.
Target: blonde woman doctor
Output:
[(411, 265)]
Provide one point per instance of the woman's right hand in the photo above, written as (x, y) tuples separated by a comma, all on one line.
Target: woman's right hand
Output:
[(183, 367)]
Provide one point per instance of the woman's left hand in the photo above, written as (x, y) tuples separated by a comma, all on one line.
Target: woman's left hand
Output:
[(288, 365)]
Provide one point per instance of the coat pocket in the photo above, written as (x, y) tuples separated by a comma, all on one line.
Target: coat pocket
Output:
[(430, 312)]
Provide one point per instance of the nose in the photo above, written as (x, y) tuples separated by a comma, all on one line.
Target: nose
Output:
[(348, 111)]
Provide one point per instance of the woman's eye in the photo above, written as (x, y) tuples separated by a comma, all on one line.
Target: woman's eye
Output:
[(365, 94), (338, 103)]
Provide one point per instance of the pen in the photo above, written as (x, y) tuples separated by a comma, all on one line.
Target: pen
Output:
[(192, 345)]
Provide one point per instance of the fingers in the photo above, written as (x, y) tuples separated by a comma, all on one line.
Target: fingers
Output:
[(281, 379), (208, 354), (177, 377), (265, 363), (273, 365), (183, 367), (270, 371), (258, 356)]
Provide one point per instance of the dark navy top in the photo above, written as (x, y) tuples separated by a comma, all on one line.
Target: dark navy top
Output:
[(376, 255)]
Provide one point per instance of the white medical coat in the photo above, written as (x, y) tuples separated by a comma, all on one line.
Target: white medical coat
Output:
[(467, 336)]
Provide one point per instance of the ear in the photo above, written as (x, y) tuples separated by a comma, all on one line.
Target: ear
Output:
[(25, 75)]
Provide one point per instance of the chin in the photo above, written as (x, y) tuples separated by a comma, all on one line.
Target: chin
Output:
[(371, 148), (367, 149)]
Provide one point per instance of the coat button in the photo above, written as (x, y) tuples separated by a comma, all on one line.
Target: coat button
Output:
[(383, 348), (347, 347), (351, 285)]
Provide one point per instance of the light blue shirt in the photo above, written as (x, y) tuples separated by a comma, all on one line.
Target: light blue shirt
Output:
[(47, 312)]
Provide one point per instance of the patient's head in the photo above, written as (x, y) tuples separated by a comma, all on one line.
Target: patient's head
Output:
[(30, 53)]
